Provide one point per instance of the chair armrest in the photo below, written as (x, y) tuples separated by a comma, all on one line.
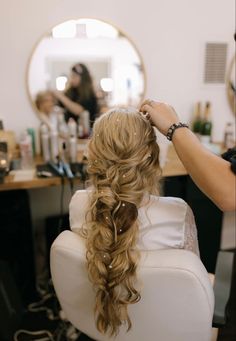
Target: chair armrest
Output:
[(222, 286)]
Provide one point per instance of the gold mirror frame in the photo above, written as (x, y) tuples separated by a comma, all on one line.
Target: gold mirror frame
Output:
[(230, 93), (78, 18)]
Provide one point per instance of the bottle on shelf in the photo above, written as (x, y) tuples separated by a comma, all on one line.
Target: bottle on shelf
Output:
[(80, 131), (62, 126), (229, 140), (26, 151), (73, 149), (72, 127), (197, 120), (63, 132), (31, 132), (54, 145), (84, 122), (45, 142), (206, 128)]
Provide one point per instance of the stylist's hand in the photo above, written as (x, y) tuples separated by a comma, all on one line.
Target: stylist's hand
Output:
[(161, 115), (58, 94)]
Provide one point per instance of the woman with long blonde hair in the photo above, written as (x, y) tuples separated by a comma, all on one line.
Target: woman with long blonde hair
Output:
[(122, 213)]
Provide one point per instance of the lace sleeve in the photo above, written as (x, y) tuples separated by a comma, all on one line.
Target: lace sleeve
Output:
[(190, 233)]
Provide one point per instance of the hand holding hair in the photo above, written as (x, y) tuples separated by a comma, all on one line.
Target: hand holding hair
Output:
[(161, 114), (212, 174)]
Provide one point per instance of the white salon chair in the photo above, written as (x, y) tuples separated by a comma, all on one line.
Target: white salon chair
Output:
[(177, 298)]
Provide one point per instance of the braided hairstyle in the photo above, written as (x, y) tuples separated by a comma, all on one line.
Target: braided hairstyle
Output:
[(123, 164)]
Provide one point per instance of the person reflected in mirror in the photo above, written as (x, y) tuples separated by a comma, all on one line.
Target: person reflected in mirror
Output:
[(49, 111), (214, 175), (79, 97)]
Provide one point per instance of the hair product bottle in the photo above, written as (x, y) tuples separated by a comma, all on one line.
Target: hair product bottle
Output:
[(26, 151), (84, 122), (80, 131), (62, 126), (31, 132), (229, 136), (63, 132), (54, 145), (73, 148), (72, 127), (45, 142)]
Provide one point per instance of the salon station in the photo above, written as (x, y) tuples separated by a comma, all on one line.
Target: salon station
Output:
[(63, 66)]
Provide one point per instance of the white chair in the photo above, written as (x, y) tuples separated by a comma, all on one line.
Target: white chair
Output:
[(177, 298)]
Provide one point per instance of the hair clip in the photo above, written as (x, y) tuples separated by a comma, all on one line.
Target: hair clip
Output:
[(107, 217), (123, 204), (110, 266), (120, 230), (106, 259), (124, 176)]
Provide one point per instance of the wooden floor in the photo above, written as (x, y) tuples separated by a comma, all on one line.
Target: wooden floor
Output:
[(228, 333)]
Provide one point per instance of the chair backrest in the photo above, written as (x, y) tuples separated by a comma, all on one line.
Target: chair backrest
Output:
[(176, 303)]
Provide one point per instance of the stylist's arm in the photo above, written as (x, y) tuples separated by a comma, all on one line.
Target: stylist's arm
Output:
[(211, 173), (72, 106)]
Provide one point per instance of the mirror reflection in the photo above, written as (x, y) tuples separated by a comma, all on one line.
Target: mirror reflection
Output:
[(80, 69)]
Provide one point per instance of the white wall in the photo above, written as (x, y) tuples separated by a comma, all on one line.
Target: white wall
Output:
[(169, 34)]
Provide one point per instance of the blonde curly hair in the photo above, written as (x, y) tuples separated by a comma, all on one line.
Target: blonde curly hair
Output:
[(123, 165)]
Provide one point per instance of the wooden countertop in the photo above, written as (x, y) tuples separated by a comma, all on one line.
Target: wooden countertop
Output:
[(173, 167), (9, 184)]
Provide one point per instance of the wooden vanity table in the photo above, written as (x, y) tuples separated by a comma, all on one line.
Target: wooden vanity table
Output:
[(36, 182), (173, 167)]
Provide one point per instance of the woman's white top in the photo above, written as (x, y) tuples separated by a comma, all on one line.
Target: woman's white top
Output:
[(164, 222)]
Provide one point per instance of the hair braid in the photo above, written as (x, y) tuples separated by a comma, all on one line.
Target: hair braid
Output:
[(122, 168)]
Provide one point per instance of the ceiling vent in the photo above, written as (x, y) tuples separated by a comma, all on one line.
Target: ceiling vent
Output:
[(215, 63)]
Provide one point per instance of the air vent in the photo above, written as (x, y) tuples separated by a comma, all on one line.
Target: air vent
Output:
[(215, 63)]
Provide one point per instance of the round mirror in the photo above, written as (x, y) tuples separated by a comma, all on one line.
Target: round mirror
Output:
[(103, 52), (231, 85)]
